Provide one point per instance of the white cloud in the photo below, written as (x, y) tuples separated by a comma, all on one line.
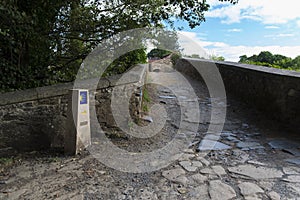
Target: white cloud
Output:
[(270, 36), (266, 11), (214, 3), (218, 44), (271, 27), (285, 35), (235, 30), (298, 23), (192, 37), (193, 45), (281, 35)]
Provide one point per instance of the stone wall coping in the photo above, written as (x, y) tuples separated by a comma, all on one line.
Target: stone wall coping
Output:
[(273, 91), (136, 74), (269, 70)]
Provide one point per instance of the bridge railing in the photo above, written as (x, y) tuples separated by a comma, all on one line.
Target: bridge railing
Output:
[(276, 92)]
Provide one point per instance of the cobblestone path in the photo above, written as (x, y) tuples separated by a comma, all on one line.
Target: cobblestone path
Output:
[(253, 157)]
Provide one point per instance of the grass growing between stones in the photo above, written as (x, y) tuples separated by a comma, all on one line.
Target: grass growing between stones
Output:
[(5, 163), (146, 100), (146, 96)]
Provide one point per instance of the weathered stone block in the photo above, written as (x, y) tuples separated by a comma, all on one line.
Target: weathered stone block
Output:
[(36, 118)]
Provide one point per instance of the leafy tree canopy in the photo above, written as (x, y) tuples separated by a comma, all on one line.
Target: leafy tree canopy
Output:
[(266, 58), (45, 41), (217, 58), (158, 53)]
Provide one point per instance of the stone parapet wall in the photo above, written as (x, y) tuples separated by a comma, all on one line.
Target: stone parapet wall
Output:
[(35, 119), (275, 92)]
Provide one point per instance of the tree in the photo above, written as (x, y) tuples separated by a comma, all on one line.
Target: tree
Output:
[(265, 56), (217, 58), (168, 40), (243, 59), (267, 59), (158, 53), (44, 41), (296, 63), (193, 56), (25, 43)]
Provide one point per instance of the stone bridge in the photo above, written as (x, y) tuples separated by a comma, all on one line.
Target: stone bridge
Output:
[(255, 155)]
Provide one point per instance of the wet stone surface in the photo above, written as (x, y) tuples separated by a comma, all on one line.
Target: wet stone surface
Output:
[(249, 160)]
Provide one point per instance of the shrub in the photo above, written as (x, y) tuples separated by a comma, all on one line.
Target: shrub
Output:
[(174, 58), (158, 53)]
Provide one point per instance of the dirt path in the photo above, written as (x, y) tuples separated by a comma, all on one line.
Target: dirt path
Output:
[(252, 159)]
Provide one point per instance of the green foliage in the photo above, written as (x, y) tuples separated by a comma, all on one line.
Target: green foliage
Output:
[(145, 108), (146, 100), (193, 56), (158, 53), (146, 97), (168, 45), (243, 59), (296, 63), (44, 42), (25, 42), (217, 58), (167, 40), (124, 62), (267, 59), (174, 58), (130, 124), (5, 162)]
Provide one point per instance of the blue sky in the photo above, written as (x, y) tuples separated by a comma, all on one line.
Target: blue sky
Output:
[(247, 28)]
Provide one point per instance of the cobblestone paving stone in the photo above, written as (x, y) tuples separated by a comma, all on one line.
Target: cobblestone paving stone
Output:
[(248, 169)]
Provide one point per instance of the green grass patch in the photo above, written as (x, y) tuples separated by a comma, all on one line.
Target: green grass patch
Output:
[(6, 161), (145, 108), (146, 100), (146, 97)]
